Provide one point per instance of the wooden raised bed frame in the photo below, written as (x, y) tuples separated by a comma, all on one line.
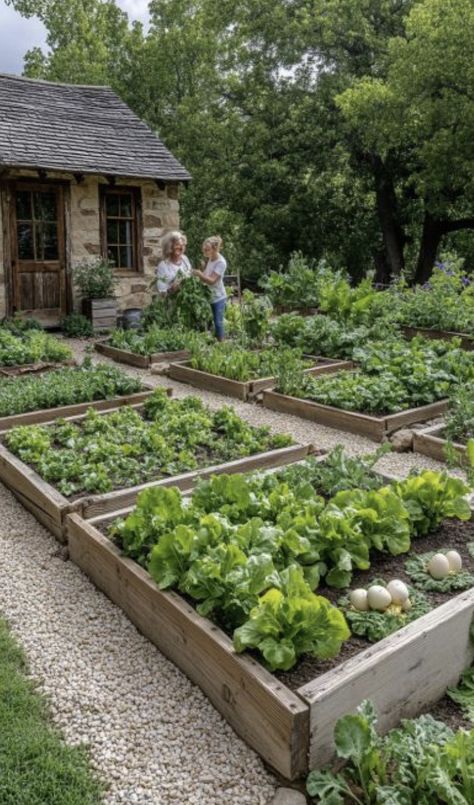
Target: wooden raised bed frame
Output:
[(245, 390), (50, 507), (431, 442), (31, 368), (374, 427), (141, 361), (467, 341), (292, 731)]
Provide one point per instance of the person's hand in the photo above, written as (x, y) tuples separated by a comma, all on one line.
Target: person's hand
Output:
[(196, 272)]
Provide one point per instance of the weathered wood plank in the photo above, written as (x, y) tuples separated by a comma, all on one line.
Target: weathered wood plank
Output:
[(123, 356), (373, 427), (420, 414), (204, 380), (431, 442), (268, 716), (401, 674), (63, 411), (467, 341)]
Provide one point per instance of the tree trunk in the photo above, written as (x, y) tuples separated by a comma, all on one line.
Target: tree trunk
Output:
[(387, 208), (433, 231)]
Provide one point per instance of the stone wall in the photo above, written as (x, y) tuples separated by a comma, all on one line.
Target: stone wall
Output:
[(160, 213)]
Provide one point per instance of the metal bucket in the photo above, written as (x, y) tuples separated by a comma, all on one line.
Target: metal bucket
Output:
[(131, 318)]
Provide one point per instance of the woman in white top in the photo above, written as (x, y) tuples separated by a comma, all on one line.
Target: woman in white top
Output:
[(174, 264), (212, 275)]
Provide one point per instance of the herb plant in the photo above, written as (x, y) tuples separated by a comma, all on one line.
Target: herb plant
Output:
[(75, 325), (31, 346), (95, 279), (155, 339), (236, 363)]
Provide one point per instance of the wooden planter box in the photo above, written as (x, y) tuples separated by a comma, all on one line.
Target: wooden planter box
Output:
[(29, 368), (102, 313), (467, 341), (292, 731), (245, 390), (49, 506), (142, 361), (66, 411), (301, 311), (374, 427), (431, 442)]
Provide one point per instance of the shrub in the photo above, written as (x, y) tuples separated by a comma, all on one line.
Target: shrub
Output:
[(95, 279), (76, 326)]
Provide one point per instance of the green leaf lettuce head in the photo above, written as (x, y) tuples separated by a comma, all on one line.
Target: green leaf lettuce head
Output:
[(290, 621)]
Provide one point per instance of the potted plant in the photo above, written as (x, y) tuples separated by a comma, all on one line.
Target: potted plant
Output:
[(96, 282)]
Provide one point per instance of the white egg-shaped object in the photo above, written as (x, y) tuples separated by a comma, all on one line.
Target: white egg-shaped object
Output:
[(398, 590), (407, 605), (455, 561), (378, 597), (358, 599), (438, 566)]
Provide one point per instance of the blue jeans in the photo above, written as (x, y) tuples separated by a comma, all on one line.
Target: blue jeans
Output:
[(218, 310)]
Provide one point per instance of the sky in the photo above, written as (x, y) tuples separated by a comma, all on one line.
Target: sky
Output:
[(17, 34)]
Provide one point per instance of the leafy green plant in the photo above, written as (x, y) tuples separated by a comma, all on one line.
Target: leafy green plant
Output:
[(31, 346), (65, 386), (430, 497), (236, 363), (18, 324), (95, 279), (417, 568), (463, 693), (376, 625), (75, 325), (446, 302), (155, 339), (255, 317), (421, 762), (300, 284), (290, 620)]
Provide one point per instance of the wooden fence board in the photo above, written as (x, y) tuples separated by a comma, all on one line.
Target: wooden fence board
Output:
[(401, 674), (268, 716)]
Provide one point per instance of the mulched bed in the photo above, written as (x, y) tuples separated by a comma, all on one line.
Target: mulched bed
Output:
[(452, 534)]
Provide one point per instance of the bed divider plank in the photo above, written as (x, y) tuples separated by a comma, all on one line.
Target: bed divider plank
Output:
[(376, 428), (467, 341), (431, 442), (141, 361), (65, 411), (244, 390), (401, 674), (267, 715)]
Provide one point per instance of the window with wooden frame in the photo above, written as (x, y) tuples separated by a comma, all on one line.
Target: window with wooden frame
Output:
[(121, 228)]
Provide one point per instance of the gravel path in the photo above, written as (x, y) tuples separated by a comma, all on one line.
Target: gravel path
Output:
[(153, 736)]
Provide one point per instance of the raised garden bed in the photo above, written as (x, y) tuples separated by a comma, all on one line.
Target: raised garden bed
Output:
[(291, 729), (431, 442), (301, 311), (374, 427), (467, 341), (245, 390), (50, 506), (141, 361), (30, 368)]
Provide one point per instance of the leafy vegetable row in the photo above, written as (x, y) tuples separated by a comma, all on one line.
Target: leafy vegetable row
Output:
[(236, 363), (155, 339), (31, 346), (250, 550), (64, 387), (124, 448)]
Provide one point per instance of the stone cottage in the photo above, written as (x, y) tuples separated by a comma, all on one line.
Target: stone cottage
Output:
[(80, 177)]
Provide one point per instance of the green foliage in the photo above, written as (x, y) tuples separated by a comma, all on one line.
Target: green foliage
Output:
[(430, 497), (37, 766), (188, 309), (19, 325), (122, 448), (463, 693), (66, 386), (154, 339), (417, 569), (290, 621), (237, 363), (459, 420), (376, 625), (418, 763), (446, 302), (31, 346), (95, 279), (300, 285), (255, 317), (75, 325)]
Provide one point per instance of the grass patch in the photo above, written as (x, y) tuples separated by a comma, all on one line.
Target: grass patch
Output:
[(36, 767)]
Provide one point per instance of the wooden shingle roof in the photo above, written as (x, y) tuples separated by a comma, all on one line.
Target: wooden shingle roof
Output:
[(78, 129)]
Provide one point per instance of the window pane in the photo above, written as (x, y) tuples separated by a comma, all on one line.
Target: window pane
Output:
[(112, 204), (112, 255), (26, 249), (126, 206), (125, 233), (23, 205), (112, 232), (126, 257), (48, 233), (45, 206)]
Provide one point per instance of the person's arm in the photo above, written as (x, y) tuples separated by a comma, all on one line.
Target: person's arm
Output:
[(207, 280)]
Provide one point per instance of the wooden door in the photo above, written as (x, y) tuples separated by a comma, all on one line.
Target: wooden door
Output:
[(38, 251)]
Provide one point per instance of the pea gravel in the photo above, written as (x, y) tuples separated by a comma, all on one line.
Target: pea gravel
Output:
[(153, 736)]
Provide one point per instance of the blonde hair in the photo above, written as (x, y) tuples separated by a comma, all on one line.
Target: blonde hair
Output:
[(169, 241), (215, 241)]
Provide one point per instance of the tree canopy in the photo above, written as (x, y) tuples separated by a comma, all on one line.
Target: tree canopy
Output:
[(341, 128)]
